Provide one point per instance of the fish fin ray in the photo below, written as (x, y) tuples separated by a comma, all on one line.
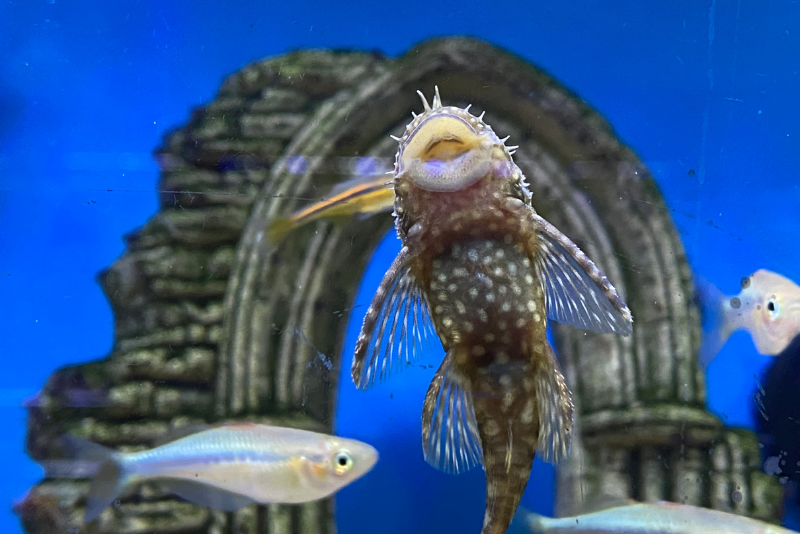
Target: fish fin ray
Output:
[(207, 495), (576, 291), (450, 438), (396, 328), (554, 403)]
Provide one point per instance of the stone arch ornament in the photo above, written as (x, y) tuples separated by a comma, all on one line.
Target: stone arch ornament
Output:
[(214, 322)]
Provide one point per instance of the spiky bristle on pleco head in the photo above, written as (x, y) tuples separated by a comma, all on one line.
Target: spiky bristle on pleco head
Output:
[(437, 99)]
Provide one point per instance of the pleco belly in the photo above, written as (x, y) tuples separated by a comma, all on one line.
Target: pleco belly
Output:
[(489, 311), (483, 293)]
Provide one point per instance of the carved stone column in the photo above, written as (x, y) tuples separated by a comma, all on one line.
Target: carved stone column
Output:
[(215, 323)]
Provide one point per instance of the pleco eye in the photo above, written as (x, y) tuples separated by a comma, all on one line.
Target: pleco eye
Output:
[(342, 462)]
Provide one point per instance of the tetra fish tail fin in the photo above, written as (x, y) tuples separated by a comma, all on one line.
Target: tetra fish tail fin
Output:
[(78, 458), (110, 478), (716, 325), (106, 487), (450, 438), (280, 227), (554, 402)]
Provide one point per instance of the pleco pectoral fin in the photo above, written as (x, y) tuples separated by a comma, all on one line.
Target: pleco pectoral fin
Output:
[(450, 438), (576, 291), (396, 327), (554, 402), (206, 495)]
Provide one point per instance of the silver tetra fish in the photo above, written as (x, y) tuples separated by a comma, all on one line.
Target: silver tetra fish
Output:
[(487, 271), (229, 466), (651, 518)]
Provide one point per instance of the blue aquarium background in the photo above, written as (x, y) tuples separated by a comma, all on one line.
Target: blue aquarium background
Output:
[(706, 92)]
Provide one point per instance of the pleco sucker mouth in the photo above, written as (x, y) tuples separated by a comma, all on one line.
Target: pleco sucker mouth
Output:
[(444, 153)]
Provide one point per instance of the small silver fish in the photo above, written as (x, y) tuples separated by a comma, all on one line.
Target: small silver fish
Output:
[(229, 466), (768, 307), (650, 518)]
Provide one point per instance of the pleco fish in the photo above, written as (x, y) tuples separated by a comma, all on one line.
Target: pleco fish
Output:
[(651, 518), (480, 265), (363, 195), (230, 466), (768, 307)]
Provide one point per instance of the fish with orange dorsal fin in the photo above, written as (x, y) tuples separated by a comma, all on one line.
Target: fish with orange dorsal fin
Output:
[(484, 272), (768, 308), (224, 467)]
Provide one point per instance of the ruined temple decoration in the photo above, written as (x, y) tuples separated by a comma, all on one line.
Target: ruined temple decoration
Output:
[(212, 319)]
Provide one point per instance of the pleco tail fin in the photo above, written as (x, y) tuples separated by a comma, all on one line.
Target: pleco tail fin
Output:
[(520, 406), (716, 329), (109, 479), (507, 422)]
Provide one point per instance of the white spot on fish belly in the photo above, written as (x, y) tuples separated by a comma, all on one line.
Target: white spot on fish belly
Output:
[(527, 413)]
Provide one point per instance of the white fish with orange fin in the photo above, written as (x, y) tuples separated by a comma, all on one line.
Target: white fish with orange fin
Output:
[(768, 307), (650, 518), (227, 467)]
